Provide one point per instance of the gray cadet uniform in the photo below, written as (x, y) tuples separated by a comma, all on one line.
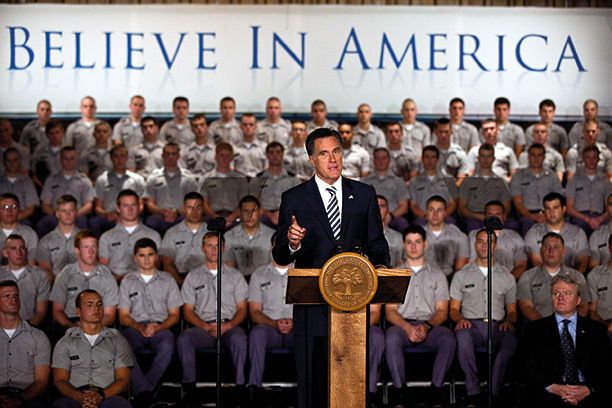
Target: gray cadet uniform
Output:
[(553, 160), (117, 245), (577, 137), (396, 245), (250, 158), (469, 286), (391, 186), (417, 135), (71, 281), (589, 195), (505, 160), (145, 158), (127, 132), (80, 135), (25, 232), (310, 125), (423, 187), (26, 349), (198, 159), (46, 161), (33, 136), (25, 156), (273, 187), (23, 187), (510, 135), (598, 244), (453, 161), (296, 161), (78, 186), (442, 250), (92, 365), (477, 191), (110, 184), (176, 133), (57, 249), (600, 287), (33, 287), (428, 286), (356, 160), (228, 132), (557, 137), (224, 191), (369, 139), (168, 192), (95, 161), (403, 161), (573, 159), (536, 283), (465, 135), (576, 243), (510, 248), (200, 290), (248, 253), (267, 287), (149, 302), (274, 132), (183, 246)]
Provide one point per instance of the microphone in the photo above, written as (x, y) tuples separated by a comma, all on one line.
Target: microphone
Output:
[(493, 224)]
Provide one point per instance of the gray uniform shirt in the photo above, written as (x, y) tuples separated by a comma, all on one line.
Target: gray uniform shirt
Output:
[(423, 187), (553, 160), (557, 137), (167, 191), (442, 250), (370, 139), (477, 191), (117, 245), (250, 158), (427, 287), (200, 290), (27, 233), (71, 281), (576, 136), (224, 193), (576, 243), (127, 132), (33, 135), (198, 159), (95, 161), (396, 245), (58, 249), (274, 132), (535, 286), (510, 135), (27, 349), (92, 365), (505, 160), (273, 187), (403, 161), (391, 186), (269, 287), (33, 287), (23, 187), (573, 159), (588, 195), (469, 286), (228, 132), (355, 160), (149, 301), (145, 158), (598, 244), (110, 184), (46, 161), (23, 153), (600, 287), (533, 187), (465, 135), (310, 125), (417, 135), (180, 134), (80, 134), (453, 161), (510, 248), (248, 253), (296, 161), (184, 246), (78, 186)]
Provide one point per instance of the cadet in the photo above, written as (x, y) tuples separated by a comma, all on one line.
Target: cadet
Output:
[(318, 111), (46, 158), (553, 160), (96, 159), (416, 134), (15, 182), (80, 133), (296, 157), (600, 286), (273, 128), (468, 309), (369, 136), (9, 213), (505, 163), (510, 134), (7, 141), (149, 305), (147, 156), (249, 153), (33, 133), (127, 130), (356, 159), (394, 238), (418, 321), (464, 134), (452, 159), (558, 136), (199, 156), (24, 367), (574, 161), (226, 128), (91, 363), (598, 242), (86, 273), (534, 287), (590, 111), (32, 281), (177, 129), (403, 157), (116, 244)]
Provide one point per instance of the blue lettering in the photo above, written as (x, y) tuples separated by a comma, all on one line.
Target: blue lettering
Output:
[(500, 52), (162, 47), (385, 44), (201, 64), (107, 36), (519, 56), (77, 58), (14, 46), (472, 54), (353, 37), (574, 55), (131, 49), (277, 40), (255, 59), (49, 49), (433, 51)]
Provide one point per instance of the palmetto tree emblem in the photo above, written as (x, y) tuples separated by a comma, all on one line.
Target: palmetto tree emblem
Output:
[(348, 276)]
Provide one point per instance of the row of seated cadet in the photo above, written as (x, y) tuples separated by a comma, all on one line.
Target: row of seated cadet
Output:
[(85, 298)]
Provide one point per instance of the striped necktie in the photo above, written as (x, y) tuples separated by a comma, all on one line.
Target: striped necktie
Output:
[(333, 212)]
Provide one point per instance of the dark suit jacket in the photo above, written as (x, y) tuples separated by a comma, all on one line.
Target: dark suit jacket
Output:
[(542, 357), (361, 226)]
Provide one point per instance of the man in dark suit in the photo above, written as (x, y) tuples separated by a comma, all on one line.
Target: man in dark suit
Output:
[(325, 215), (566, 358)]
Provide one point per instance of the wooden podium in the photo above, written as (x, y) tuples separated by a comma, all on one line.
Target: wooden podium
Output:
[(348, 283)]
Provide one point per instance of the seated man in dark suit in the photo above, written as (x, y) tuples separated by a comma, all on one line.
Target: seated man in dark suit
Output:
[(566, 358)]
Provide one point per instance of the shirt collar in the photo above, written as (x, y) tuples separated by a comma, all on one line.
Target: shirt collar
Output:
[(322, 186), (573, 318)]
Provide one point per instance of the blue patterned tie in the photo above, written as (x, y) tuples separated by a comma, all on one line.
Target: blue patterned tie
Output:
[(333, 212), (570, 372)]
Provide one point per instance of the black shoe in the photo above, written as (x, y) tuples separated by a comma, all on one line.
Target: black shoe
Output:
[(398, 397), (472, 401), (436, 397)]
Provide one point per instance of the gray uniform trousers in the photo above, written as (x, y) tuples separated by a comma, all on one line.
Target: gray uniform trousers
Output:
[(262, 337), (439, 337), (191, 339), (504, 344), (162, 343), (376, 350)]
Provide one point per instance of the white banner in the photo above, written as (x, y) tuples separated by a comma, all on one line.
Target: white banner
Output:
[(344, 55)]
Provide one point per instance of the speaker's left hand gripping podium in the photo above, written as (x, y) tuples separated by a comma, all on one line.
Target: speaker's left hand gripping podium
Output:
[(347, 283)]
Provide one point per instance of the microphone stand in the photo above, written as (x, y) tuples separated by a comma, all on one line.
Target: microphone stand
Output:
[(218, 225), (491, 225)]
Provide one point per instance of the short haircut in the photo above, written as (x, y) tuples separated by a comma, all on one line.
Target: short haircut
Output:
[(493, 236), (14, 236), (441, 122), (52, 124), (68, 149), (227, 99), (248, 199), (136, 97), (554, 196), (486, 147), (272, 99), (8, 284), (224, 146), (566, 278), (587, 123), (436, 199), (405, 101), (381, 149), (145, 243), (593, 101), (488, 120), (9, 196), (45, 101), (193, 195), (590, 149), (77, 300), (321, 133), (494, 203), (431, 148), (149, 119), (126, 193), (317, 102), (549, 103), (211, 234), (551, 235), (103, 123), (536, 146), (501, 101), (172, 144), (179, 99), (415, 229), (247, 115), (198, 116), (456, 100), (65, 199), (393, 124), (118, 147), (83, 234), (273, 145), (9, 151)]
